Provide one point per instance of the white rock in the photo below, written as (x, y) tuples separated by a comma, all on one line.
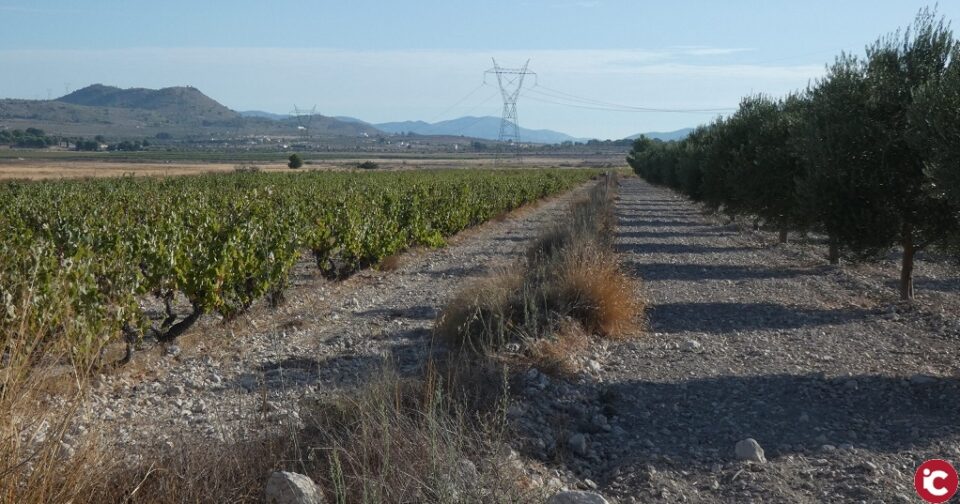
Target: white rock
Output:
[(749, 449), (577, 497), (692, 346), (291, 488)]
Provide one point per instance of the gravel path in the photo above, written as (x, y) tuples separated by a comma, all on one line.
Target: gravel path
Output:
[(224, 378), (844, 388)]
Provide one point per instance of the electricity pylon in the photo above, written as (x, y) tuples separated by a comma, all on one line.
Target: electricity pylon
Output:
[(304, 118), (511, 82)]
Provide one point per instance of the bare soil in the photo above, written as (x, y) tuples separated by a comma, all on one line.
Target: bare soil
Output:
[(36, 169), (846, 389)]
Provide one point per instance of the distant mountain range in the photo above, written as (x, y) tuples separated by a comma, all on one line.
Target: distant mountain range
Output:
[(667, 136), (487, 128), (186, 112)]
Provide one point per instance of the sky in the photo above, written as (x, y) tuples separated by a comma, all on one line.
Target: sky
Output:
[(601, 65)]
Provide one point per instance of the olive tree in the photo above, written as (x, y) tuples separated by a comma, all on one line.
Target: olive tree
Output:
[(899, 68), (835, 137)]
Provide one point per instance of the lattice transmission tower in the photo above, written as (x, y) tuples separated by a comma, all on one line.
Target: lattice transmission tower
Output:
[(304, 118), (511, 82)]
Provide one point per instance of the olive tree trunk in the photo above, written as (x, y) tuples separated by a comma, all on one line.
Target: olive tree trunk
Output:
[(906, 267)]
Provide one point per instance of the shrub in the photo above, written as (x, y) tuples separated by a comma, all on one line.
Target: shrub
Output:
[(295, 161)]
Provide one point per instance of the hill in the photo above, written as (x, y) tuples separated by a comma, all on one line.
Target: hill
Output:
[(486, 127), (667, 136), (183, 112), (172, 101)]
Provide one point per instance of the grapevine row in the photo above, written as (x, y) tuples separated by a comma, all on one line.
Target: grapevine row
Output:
[(80, 257)]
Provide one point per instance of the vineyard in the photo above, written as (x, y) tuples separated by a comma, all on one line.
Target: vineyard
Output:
[(80, 257)]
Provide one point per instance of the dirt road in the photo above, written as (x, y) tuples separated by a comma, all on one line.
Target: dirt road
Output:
[(845, 389)]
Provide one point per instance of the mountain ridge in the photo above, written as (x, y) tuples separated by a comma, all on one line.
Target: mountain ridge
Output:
[(182, 111), (186, 111)]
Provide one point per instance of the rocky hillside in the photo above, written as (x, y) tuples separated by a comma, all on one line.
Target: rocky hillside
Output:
[(183, 112), (188, 102)]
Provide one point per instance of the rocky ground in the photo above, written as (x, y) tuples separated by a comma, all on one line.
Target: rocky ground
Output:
[(223, 379), (843, 388)]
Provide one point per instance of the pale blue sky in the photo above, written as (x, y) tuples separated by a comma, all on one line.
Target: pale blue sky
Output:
[(387, 61)]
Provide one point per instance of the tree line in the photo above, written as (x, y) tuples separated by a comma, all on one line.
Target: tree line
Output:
[(31, 138), (35, 138), (869, 154)]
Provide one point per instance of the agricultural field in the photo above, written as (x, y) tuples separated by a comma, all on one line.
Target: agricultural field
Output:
[(764, 307), (37, 165), (79, 256), (562, 304)]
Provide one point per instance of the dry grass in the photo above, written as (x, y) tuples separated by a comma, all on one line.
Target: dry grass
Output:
[(484, 314), (196, 470), (569, 273), (437, 437), (426, 440), (557, 355), (42, 385), (41, 456), (593, 289)]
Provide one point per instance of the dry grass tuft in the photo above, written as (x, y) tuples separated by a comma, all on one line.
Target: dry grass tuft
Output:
[(569, 273), (593, 289), (557, 355), (434, 439), (482, 315), (197, 470), (42, 458)]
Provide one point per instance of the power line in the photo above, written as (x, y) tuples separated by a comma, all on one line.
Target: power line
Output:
[(557, 97), (475, 121), (460, 101), (625, 110)]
